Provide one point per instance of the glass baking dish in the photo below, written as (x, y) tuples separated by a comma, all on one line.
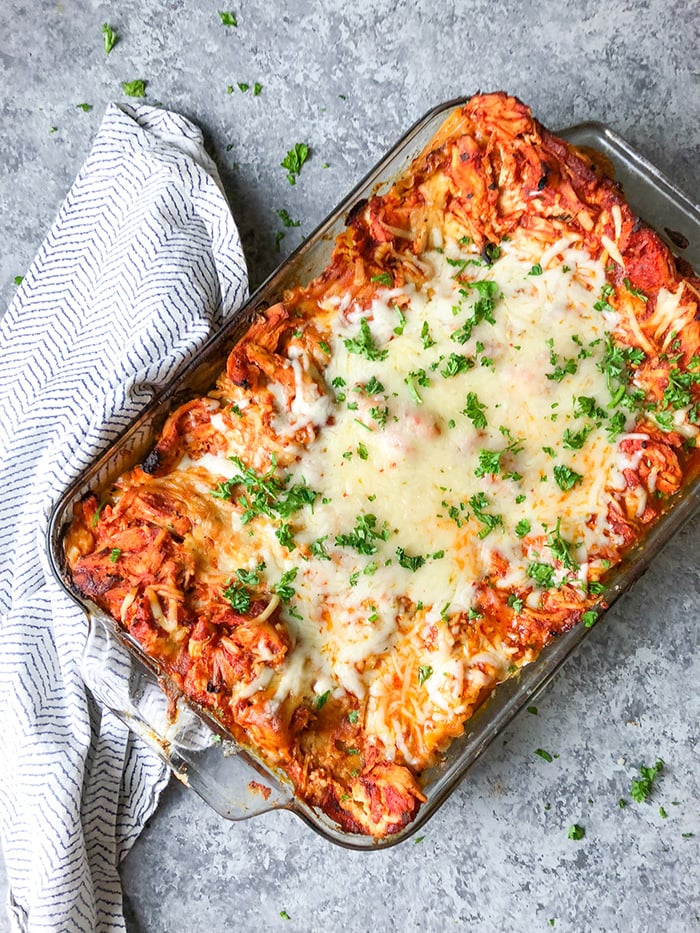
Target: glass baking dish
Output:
[(193, 744)]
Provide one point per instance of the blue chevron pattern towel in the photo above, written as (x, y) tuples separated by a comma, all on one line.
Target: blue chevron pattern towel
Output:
[(142, 264)]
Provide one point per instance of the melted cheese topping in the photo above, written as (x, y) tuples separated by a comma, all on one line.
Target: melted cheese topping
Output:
[(457, 448)]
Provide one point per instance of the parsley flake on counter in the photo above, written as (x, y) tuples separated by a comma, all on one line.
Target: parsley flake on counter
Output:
[(86, 108), (18, 279), (544, 754), (576, 832), (228, 18), (110, 37), (642, 786), (532, 710), (243, 87), (286, 219), (135, 88), (284, 915), (257, 88), (294, 160)]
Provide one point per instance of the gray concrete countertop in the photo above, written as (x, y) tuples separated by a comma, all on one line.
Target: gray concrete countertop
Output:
[(349, 79)]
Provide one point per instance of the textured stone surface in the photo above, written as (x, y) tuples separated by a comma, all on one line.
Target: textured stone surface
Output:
[(349, 79)]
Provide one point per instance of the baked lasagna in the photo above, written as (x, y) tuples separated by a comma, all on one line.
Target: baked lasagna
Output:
[(416, 469)]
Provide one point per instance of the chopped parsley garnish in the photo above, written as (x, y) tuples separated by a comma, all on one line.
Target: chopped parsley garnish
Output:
[(284, 536), (286, 219), (362, 451), (561, 549), (399, 329), (616, 425), (587, 405), (322, 699), (426, 337), (228, 18), (560, 372), (576, 832), (574, 440), (421, 377), (250, 577), (318, 550), (522, 528), (642, 786), (456, 363), (478, 503), (409, 563), (383, 278), (515, 603), (489, 462), (634, 291), (536, 269), (363, 344), (482, 310), (474, 410), (283, 588), (373, 387), (617, 365), (678, 392), (353, 716), (114, 554), (424, 672), (364, 535), (110, 37), (589, 618), (566, 477), (265, 495), (379, 415), (135, 88), (542, 574), (238, 596), (294, 160)]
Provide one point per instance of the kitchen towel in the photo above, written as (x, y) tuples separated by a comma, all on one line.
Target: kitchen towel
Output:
[(141, 266)]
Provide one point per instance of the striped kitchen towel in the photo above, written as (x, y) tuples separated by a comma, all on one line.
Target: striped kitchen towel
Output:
[(142, 264)]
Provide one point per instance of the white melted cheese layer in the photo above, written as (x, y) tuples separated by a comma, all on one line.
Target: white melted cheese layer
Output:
[(417, 472)]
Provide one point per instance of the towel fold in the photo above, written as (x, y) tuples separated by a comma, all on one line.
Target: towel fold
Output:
[(142, 264)]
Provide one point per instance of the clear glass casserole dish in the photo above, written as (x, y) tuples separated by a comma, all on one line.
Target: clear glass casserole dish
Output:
[(192, 742)]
